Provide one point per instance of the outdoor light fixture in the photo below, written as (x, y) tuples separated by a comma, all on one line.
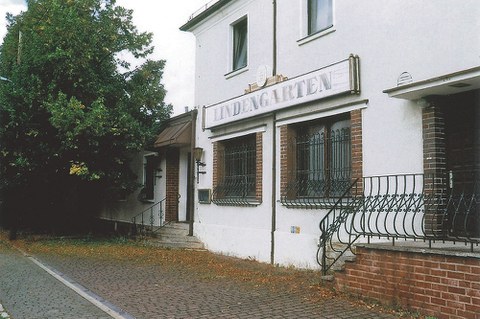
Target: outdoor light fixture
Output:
[(197, 154), (158, 173)]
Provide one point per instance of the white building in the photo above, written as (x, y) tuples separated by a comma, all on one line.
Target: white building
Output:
[(299, 99)]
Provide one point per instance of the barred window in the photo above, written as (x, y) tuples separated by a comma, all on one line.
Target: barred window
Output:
[(237, 176), (320, 154), (323, 159)]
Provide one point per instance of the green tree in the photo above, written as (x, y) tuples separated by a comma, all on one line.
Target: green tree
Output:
[(75, 110)]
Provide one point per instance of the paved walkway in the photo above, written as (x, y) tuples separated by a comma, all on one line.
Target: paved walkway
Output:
[(27, 291), (148, 291)]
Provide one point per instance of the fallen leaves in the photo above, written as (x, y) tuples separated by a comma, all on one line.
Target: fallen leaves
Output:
[(308, 284)]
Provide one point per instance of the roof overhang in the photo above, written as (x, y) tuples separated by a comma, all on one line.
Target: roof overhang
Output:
[(175, 135), (457, 82)]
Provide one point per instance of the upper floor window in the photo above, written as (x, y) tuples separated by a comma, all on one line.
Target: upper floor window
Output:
[(240, 44), (320, 15)]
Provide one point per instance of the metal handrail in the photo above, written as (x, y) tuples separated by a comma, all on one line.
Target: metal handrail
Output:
[(203, 8), (152, 216), (155, 217), (331, 224)]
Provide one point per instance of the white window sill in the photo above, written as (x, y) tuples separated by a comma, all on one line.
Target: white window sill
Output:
[(315, 36), (236, 72)]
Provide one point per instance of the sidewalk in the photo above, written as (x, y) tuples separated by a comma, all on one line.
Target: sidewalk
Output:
[(156, 283), (28, 292)]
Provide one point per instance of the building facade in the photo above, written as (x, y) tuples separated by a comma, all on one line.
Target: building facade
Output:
[(165, 173), (302, 104)]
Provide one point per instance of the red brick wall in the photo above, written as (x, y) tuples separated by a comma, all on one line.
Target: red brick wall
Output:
[(356, 144), (284, 167), (435, 285), (259, 168), (172, 187), (434, 160)]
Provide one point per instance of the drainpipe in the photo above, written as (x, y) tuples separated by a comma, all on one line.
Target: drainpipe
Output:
[(274, 143), (191, 201), (274, 189), (274, 57)]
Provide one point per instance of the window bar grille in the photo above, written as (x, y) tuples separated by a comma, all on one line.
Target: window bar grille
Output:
[(238, 185), (322, 169)]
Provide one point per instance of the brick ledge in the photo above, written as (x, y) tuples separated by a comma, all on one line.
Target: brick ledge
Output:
[(443, 249)]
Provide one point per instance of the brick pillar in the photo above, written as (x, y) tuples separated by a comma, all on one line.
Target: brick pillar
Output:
[(172, 184), (283, 159), (259, 167), (287, 160), (356, 149), (217, 168), (434, 166)]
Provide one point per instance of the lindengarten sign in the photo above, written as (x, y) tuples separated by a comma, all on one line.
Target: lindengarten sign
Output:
[(339, 78)]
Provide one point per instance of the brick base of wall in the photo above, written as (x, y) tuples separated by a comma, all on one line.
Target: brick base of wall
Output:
[(431, 284)]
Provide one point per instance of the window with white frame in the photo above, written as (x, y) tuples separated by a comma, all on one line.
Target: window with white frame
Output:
[(320, 15), (240, 44)]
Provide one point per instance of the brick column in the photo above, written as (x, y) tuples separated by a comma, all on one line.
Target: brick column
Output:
[(287, 160), (259, 167), (356, 148), (283, 159), (434, 165), (172, 184)]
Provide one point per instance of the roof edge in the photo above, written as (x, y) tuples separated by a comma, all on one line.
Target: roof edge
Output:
[(205, 12)]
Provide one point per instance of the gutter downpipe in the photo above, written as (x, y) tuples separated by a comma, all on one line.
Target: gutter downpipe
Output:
[(274, 138), (193, 144)]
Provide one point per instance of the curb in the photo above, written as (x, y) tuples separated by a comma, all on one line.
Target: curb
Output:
[(96, 300)]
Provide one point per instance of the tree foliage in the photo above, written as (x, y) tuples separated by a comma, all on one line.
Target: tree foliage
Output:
[(74, 110)]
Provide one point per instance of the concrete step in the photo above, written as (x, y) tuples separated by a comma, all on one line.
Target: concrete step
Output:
[(184, 244), (175, 229), (176, 238), (174, 235)]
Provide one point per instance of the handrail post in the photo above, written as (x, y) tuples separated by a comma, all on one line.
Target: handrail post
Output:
[(324, 250)]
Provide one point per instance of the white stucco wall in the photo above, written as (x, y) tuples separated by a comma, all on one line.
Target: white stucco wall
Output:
[(124, 210), (427, 39), (183, 183)]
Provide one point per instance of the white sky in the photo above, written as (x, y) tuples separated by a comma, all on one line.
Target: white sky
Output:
[(163, 18)]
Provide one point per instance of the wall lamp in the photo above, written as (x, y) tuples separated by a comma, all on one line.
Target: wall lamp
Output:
[(197, 155)]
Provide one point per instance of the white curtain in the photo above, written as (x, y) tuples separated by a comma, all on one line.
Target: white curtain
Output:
[(240, 45), (320, 15)]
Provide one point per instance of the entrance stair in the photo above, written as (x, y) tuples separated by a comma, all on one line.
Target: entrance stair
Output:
[(174, 235)]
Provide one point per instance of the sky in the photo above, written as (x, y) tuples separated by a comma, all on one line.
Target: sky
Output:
[(163, 18)]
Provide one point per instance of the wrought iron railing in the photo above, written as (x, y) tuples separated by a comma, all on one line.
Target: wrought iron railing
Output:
[(321, 169), (150, 219), (335, 238), (433, 208), (239, 191), (314, 193)]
